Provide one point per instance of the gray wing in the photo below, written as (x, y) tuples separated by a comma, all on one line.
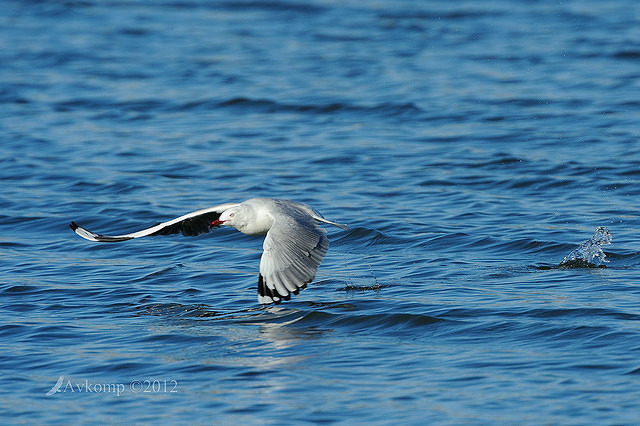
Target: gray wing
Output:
[(190, 224), (293, 250)]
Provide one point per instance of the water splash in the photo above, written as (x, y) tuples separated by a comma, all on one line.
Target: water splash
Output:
[(589, 254)]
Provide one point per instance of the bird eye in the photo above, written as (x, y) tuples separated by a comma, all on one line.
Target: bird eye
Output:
[(232, 214)]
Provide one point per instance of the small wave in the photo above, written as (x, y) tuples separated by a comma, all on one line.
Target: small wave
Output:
[(360, 236), (199, 311), (158, 273), (278, 6), (374, 287), (117, 108), (627, 54), (589, 254), (634, 371), (389, 109), (431, 15), (134, 109), (19, 289), (307, 315), (578, 264), (392, 322)]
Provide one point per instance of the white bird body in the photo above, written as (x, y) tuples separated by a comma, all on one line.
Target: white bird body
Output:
[(294, 245)]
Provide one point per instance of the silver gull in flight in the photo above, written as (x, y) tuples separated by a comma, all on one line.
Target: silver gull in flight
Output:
[(294, 243)]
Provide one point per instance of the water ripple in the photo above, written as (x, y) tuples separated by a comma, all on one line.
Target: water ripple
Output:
[(470, 148)]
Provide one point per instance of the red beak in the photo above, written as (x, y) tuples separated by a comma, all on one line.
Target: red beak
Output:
[(216, 223)]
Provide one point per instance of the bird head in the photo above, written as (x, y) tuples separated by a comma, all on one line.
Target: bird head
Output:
[(231, 217)]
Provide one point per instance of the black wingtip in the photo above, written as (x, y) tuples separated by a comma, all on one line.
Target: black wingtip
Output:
[(74, 226)]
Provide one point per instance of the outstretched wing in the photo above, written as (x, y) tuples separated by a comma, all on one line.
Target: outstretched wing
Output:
[(190, 224), (293, 250)]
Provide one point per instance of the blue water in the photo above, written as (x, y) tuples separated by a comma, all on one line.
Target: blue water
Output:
[(470, 146)]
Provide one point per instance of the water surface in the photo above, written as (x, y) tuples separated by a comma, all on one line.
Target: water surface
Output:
[(470, 147)]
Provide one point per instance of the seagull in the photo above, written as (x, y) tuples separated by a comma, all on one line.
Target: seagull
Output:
[(294, 244)]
